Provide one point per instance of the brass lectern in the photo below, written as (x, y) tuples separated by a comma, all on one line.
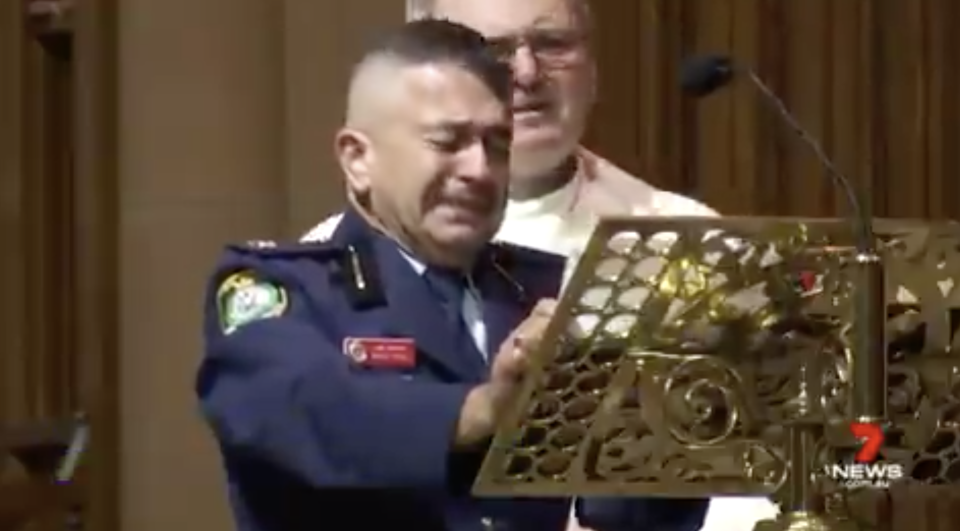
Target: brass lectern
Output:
[(698, 357)]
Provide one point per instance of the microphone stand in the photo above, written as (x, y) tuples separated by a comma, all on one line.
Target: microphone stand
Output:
[(867, 357)]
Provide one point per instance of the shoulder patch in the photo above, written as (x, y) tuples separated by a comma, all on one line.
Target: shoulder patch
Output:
[(244, 298)]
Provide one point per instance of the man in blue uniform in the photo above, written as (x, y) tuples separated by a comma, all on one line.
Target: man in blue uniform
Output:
[(354, 383)]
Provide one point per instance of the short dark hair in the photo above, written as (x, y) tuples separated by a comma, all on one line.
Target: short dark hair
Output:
[(442, 41)]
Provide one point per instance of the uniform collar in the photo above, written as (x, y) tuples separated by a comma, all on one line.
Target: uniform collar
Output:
[(416, 264), (355, 231)]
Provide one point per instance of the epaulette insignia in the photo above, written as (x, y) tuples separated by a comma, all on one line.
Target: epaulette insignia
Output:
[(261, 244), (244, 298), (510, 251), (361, 280)]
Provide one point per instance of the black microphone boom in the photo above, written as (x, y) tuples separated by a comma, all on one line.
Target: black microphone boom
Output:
[(704, 75), (868, 373)]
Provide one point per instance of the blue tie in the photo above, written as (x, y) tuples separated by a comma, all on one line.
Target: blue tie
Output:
[(451, 289)]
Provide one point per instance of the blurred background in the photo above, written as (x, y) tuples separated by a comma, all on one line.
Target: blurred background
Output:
[(137, 138)]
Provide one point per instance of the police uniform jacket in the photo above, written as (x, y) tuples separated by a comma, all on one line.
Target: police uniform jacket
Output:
[(561, 222), (313, 438)]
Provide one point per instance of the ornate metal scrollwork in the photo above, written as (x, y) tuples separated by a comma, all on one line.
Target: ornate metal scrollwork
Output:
[(695, 357)]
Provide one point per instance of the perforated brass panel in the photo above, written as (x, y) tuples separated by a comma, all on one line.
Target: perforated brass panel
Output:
[(683, 347)]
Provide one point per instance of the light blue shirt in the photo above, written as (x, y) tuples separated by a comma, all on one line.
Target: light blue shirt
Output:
[(471, 311)]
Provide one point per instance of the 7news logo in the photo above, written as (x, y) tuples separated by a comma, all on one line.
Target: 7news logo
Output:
[(866, 471)]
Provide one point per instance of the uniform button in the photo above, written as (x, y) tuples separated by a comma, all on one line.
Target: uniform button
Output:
[(487, 523)]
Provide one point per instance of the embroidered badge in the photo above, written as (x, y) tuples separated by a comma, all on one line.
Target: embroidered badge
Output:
[(243, 298)]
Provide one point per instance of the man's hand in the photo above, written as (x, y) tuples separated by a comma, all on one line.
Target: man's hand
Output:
[(512, 359), (486, 403)]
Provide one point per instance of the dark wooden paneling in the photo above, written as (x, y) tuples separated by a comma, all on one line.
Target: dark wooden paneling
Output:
[(55, 224), (36, 178), (97, 271), (13, 386), (875, 80), (37, 356)]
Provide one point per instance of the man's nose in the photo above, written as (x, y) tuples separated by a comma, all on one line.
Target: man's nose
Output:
[(475, 163), (526, 66)]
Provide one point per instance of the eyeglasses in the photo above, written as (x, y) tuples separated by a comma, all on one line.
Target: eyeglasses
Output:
[(552, 47)]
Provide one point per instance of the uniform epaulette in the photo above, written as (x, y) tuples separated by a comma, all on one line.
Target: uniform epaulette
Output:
[(524, 267), (512, 253), (271, 248)]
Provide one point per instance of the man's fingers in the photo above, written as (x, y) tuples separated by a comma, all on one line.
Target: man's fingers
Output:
[(524, 345), (544, 308), (536, 323), (525, 340)]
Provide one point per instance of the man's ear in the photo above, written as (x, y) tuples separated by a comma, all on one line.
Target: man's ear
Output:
[(355, 155)]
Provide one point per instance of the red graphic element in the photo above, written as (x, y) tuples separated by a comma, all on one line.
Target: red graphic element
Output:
[(871, 435), (382, 352), (807, 281)]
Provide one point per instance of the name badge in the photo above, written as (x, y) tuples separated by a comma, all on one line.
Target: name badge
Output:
[(381, 352)]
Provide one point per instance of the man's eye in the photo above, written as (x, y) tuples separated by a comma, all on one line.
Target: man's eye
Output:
[(549, 41), (553, 42), (445, 144), (499, 144)]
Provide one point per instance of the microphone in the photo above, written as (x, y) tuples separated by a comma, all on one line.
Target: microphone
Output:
[(704, 75), (701, 77)]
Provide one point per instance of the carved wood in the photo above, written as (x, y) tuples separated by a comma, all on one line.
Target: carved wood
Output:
[(54, 361), (876, 80), (37, 363), (97, 265), (50, 16)]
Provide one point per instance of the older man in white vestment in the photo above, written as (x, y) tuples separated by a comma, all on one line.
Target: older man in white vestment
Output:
[(558, 188)]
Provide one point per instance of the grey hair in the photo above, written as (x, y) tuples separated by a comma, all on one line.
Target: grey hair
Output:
[(420, 9)]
